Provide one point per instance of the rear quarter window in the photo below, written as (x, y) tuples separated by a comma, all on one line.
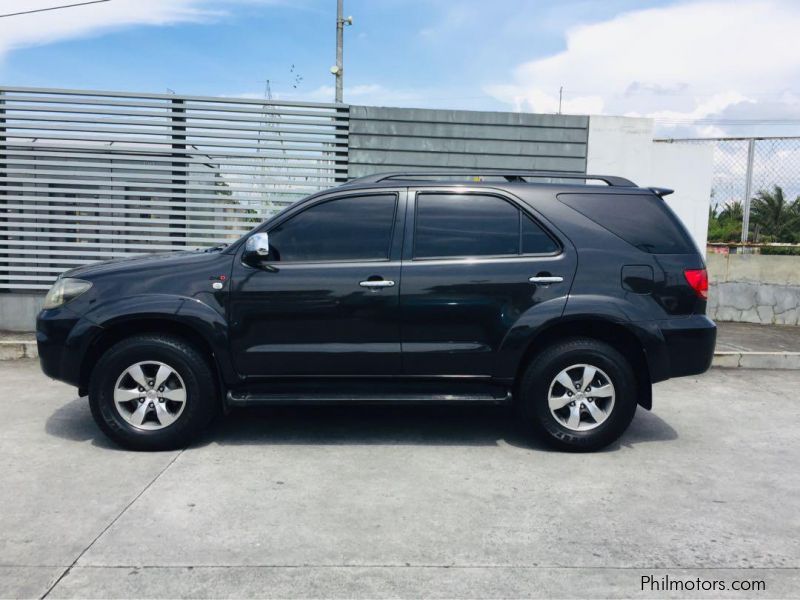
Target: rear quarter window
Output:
[(642, 220)]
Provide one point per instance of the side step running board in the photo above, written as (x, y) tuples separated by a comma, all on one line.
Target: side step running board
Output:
[(257, 399)]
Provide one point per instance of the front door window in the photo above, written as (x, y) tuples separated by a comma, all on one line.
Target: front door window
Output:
[(354, 228)]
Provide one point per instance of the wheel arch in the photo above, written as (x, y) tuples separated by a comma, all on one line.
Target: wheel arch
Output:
[(125, 327), (615, 334)]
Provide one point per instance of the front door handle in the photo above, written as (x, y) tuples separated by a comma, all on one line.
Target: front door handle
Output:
[(546, 279), (379, 283)]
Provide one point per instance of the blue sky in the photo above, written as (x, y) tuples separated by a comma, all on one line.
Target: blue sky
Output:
[(692, 65), (452, 47)]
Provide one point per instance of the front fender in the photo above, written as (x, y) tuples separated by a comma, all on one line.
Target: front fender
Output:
[(192, 313)]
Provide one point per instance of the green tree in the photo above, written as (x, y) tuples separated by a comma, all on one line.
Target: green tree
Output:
[(733, 211), (773, 218), (725, 223)]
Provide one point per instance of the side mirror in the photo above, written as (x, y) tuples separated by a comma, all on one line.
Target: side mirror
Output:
[(256, 248)]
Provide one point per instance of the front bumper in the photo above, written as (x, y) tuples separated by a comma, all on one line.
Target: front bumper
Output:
[(689, 344), (62, 337)]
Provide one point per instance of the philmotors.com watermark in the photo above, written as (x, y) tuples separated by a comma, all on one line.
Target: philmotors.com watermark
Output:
[(665, 583)]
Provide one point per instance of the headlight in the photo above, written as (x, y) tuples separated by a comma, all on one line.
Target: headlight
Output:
[(65, 290)]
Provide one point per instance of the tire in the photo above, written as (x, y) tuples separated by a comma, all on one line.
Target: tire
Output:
[(601, 419), (157, 419)]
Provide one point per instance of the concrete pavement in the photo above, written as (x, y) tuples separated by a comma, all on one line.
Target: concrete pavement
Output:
[(403, 501), (755, 346), (750, 337)]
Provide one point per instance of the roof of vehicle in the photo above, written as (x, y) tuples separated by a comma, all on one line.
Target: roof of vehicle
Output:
[(501, 178)]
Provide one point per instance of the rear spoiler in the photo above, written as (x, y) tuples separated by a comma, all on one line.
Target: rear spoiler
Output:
[(661, 192)]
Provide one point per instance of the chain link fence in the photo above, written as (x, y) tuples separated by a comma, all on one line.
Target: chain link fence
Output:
[(743, 169)]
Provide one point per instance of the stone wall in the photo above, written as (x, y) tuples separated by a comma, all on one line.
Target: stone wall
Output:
[(752, 288)]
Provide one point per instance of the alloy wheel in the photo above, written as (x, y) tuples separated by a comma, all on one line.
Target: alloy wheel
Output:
[(581, 397), (150, 395)]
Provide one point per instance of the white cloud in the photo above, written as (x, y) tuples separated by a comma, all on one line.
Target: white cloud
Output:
[(532, 98), (377, 95), (52, 26), (370, 93), (678, 63), (47, 27)]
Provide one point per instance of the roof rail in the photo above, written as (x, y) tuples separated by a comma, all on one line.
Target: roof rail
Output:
[(511, 175)]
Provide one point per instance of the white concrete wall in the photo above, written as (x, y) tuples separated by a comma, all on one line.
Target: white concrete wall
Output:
[(18, 311), (688, 169), (620, 146), (624, 146)]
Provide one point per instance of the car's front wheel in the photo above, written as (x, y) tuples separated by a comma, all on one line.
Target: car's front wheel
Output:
[(578, 395), (152, 392)]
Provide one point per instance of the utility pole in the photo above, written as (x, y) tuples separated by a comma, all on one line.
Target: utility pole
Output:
[(338, 69), (560, 95)]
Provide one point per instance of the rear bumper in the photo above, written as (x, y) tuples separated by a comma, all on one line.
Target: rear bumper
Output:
[(689, 344)]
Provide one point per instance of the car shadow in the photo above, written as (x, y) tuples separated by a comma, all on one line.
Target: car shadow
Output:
[(73, 421), (361, 424)]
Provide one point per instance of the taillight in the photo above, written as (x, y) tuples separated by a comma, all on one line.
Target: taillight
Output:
[(698, 279)]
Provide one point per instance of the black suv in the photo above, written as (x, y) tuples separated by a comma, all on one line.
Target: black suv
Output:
[(565, 298)]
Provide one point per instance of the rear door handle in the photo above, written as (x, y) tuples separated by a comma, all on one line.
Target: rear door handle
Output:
[(380, 283), (546, 279)]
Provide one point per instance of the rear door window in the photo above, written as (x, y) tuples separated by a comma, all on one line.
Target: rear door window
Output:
[(642, 220), (534, 239), (467, 225)]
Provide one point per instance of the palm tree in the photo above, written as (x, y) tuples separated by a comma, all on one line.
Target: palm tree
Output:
[(725, 222), (773, 216), (732, 211)]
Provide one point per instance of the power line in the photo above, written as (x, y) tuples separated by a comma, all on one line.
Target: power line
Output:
[(680, 94), (38, 10), (726, 121)]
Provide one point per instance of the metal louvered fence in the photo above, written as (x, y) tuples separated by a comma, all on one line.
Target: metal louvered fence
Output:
[(87, 176)]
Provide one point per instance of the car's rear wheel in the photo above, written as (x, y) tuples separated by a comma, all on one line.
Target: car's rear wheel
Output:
[(152, 392), (579, 395)]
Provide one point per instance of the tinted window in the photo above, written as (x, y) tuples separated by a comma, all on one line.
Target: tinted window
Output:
[(534, 239), (643, 220), (351, 228), (465, 225)]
